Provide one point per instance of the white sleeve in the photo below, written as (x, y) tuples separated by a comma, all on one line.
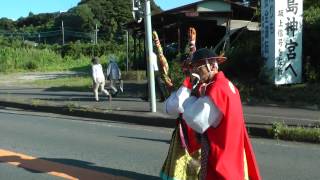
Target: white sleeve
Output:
[(202, 114), (154, 61), (174, 104), (94, 73)]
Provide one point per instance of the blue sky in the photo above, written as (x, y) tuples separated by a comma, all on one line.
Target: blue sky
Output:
[(14, 9), (169, 4)]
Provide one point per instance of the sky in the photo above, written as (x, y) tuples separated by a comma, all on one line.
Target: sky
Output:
[(170, 4), (14, 9)]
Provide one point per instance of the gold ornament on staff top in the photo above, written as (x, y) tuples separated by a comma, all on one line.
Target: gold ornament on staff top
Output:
[(163, 61), (192, 35)]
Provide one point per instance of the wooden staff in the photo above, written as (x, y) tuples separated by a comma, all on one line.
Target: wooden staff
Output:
[(163, 62), (192, 36)]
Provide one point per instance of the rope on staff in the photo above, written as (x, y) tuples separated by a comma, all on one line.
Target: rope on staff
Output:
[(192, 36), (163, 62)]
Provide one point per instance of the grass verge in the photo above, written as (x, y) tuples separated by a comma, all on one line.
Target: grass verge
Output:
[(304, 134), (82, 82), (73, 83)]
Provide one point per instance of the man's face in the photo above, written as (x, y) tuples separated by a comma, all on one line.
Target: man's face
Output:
[(202, 71)]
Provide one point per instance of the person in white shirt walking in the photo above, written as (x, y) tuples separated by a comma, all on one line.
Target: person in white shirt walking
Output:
[(98, 78)]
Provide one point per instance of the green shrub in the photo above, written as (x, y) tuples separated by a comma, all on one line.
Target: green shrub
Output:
[(312, 15), (26, 59), (31, 65), (77, 49), (134, 75), (282, 131), (311, 40), (277, 129), (176, 73)]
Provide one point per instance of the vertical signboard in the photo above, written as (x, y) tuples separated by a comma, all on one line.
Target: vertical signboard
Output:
[(281, 38), (267, 31)]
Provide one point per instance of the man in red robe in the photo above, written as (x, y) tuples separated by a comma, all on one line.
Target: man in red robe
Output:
[(215, 112)]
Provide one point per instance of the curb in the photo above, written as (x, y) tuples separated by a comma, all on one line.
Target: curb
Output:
[(262, 131), (154, 120), (148, 120)]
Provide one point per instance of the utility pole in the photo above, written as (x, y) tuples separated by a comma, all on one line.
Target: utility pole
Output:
[(138, 12), (62, 30), (149, 47), (96, 35), (127, 34)]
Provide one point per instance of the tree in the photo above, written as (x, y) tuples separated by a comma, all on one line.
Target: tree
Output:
[(110, 15), (311, 39), (38, 21), (79, 17), (113, 14), (30, 14), (7, 24)]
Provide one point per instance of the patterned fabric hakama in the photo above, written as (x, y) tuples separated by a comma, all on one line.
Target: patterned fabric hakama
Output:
[(179, 164)]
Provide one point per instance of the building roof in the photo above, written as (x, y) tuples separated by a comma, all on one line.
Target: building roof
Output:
[(207, 10)]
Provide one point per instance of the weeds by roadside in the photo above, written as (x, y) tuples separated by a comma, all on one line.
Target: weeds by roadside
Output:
[(36, 102), (73, 83), (306, 134), (71, 106), (23, 59)]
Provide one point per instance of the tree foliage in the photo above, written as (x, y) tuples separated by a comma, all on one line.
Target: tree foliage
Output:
[(112, 14), (7, 24), (311, 40), (79, 18), (109, 15), (38, 22)]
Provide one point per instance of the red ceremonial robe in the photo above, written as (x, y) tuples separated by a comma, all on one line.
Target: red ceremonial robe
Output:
[(229, 138)]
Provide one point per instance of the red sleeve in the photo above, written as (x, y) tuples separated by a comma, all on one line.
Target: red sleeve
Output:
[(187, 83)]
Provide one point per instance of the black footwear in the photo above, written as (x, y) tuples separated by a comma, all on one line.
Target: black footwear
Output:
[(114, 94), (145, 98), (162, 99)]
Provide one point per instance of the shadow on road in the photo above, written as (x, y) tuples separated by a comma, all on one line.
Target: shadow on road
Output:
[(18, 89), (90, 98), (43, 94), (72, 169), (147, 139)]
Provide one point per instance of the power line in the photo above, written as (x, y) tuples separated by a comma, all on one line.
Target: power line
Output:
[(65, 32)]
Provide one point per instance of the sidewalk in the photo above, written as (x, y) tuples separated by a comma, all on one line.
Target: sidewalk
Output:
[(130, 108), (125, 107)]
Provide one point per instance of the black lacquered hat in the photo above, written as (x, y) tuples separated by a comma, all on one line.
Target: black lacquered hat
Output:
[(204, 55)]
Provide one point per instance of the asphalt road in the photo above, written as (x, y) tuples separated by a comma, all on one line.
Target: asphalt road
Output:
[(50, 146)]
